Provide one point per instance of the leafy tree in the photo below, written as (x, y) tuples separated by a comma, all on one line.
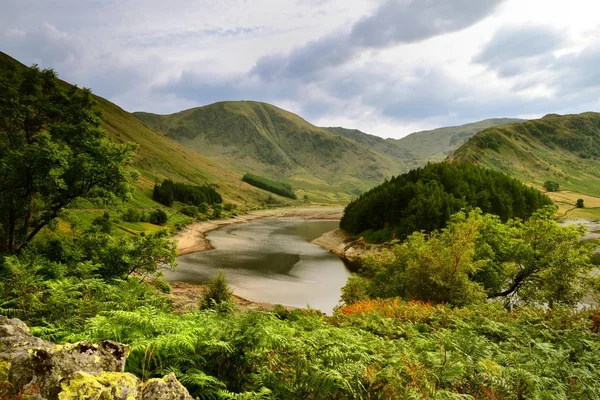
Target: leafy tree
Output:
[(217, 292), (158, 217), (203, 208), (535, 261), (132, 215), (168, 192), (190, 211), (580, 203), (52, 151), (103, 223), (551, 186), (478, 256)]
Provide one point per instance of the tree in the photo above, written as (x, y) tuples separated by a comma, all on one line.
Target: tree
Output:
[(551, 186), (579, 203), (159, 217), (536, 261), (52, 151), (103, 223), (217, 292)]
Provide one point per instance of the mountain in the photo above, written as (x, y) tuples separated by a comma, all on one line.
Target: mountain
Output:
[(262, 139), (561, 148), (159, 157), (437, 144)]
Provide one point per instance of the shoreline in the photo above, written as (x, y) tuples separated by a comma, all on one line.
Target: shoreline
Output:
[(192, 239)]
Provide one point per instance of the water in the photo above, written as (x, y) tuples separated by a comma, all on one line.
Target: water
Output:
[(271, 261)]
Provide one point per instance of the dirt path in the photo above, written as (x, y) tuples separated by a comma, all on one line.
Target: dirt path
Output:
[(192, 239)]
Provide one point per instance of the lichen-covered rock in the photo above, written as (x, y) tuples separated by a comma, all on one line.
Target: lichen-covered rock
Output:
[(34, 369), (108, 385), (167, 388), (45, 368)]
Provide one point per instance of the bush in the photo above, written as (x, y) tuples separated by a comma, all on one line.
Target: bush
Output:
[(203, 208), (190, 211), (580, 203), (228, 207), (217, 292), (131, 215), (158, 217), (551, 186), (103, 223)]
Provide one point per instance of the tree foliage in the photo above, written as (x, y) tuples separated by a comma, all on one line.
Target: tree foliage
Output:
[(168, 192), (551, 186), (52, 151), (478, 256), (280, 188), (425, 198)]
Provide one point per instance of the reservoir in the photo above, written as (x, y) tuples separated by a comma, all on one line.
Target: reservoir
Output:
[(271, 261)]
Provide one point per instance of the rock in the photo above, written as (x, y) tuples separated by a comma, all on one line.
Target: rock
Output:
[(108, 385), (43, 369), (38, 370), (167, 388)]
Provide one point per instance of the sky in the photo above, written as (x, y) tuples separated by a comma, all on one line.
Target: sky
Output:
[(386, 67)]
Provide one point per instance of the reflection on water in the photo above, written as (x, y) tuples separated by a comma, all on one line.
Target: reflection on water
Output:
[(271, 261)]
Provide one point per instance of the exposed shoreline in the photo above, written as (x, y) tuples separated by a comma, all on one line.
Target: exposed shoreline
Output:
[(192, 239)]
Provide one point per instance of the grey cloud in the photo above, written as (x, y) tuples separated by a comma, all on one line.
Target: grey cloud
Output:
[(406, 21), (512, 49), (45, 45), (394, 22)]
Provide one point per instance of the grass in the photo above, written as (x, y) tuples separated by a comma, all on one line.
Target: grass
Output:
[(565, 149)]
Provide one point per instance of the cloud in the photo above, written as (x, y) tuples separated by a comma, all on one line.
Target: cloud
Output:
[(394, 22), (515, 49)]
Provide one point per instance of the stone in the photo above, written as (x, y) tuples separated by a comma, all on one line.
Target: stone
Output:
[(167, 388), (35, 369)]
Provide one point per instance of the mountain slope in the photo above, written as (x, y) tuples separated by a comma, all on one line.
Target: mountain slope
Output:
[(159, 157), (263, 139), (437, 144), (565, 149)]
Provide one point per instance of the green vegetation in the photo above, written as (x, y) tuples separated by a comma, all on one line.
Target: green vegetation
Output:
[(478, 257), (425, 198), (52, 152), (579, 203), (259, 138), (168, 192), (157, 158), (218, 295), (551, 186), (280, 188), (561, 149)]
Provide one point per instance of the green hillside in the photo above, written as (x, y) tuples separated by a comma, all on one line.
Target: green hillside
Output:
[(437, 144), (265, 140), (159, 157), (565, 149)]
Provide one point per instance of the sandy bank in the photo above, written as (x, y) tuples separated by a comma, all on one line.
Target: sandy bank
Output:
[(192, 239)]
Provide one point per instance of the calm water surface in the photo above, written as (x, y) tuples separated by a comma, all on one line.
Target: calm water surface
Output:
[(271, 261)]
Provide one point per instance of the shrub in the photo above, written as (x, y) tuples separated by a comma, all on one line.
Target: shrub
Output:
[(103, 223), (158, 217), (217, 292), (131, 215), (551, 186), (580, 203), (190, 211), (228, 207), (203, 208)]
